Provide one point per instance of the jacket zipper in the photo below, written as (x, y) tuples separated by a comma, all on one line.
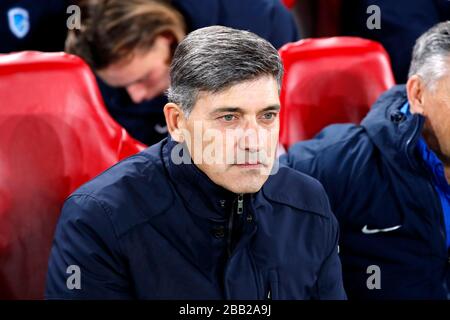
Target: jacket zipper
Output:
[(240, 203), (238, 207)]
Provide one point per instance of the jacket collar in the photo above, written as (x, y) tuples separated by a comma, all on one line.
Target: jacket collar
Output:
[(200, 194), (395, 133), (434, 165)]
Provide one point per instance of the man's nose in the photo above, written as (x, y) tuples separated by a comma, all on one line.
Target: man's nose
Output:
[(137, 92), (252, 137)]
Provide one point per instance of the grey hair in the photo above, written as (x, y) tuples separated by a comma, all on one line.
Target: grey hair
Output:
[(431, 54), (213, 59)]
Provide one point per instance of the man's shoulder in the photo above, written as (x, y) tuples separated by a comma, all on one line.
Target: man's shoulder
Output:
[(336, 152), (335, 138), (130, 192), (298, 190), (142, 167)]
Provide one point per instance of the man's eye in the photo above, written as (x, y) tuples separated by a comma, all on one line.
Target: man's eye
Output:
[(269, 115), (228, 117)]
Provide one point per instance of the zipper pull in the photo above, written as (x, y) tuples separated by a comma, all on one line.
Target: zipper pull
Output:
[(240, 203)]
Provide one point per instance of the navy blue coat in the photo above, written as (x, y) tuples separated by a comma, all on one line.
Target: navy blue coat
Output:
[(149, 229), (375, 179), (267, 18)]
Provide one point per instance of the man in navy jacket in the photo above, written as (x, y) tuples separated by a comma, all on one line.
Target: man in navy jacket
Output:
[(388, 182), (121, 42), (204, 214)]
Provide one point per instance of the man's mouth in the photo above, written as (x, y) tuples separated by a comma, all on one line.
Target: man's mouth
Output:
[(250, 165)]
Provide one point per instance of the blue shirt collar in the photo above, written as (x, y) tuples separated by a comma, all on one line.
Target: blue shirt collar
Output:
[(433, 164)]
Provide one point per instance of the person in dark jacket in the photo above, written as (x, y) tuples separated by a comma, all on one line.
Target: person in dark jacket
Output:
[(204, 214), (388, 182), (129, 45), (401, 22)]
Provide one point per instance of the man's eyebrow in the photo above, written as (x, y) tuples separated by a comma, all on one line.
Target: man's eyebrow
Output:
[(275, 107), (227, 109)]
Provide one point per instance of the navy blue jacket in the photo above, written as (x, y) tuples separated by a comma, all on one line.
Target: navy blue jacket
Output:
[(149, 229), (267, 18), (376, 179)]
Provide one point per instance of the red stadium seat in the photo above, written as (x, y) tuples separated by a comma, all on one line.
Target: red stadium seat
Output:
[(289, 3), (329, 80), (55, 134)]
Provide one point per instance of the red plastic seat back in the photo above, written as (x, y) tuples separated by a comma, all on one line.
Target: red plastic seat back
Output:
[(55, 134), (329, 80), (289, 3)]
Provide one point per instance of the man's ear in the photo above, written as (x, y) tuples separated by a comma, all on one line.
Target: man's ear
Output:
[(175, 121), (415, 88)]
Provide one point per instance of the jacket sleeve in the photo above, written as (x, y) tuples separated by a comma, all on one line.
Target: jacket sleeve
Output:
[(329, 282), (311, 158), (335, 157), (85, 260)]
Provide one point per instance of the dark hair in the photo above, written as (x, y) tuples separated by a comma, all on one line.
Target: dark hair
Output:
[(112, 30), (214, 58)]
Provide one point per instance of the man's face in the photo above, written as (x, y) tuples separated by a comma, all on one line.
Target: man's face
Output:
[(437, 113), (234, 134), (145, 75)]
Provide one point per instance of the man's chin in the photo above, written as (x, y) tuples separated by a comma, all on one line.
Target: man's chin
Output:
[(244, 184), (253, 169), (245, 189)]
